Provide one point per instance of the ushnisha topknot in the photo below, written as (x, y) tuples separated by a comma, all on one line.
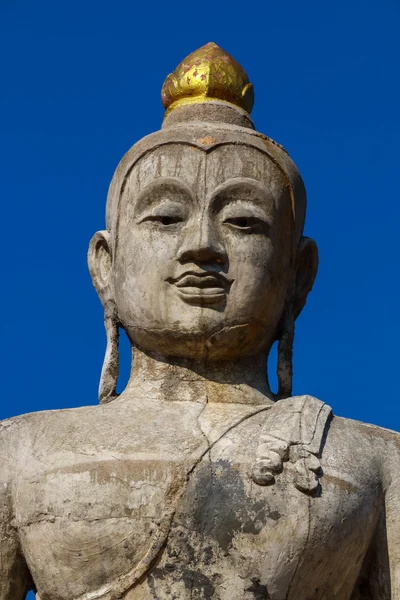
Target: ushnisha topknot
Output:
[(208, 74)]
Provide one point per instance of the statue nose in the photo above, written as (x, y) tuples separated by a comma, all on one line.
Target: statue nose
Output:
[(202, 243)]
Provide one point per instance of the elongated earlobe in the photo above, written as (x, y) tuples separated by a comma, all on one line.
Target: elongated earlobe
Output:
[(110, 369), (100, 261), (306, 270), (285, 354)]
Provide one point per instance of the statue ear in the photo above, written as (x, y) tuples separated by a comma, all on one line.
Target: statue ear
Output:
[(100, 261), (306, 271)]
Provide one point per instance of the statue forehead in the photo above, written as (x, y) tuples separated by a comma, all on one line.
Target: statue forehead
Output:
[(205, 169)]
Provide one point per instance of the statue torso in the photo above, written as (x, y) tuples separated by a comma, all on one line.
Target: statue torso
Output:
[(162, 495)]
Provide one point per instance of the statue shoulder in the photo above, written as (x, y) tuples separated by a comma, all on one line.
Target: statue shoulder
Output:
[(304, 431), (331, 436), (9, 433), (29, 422), (314, 411), (21, 435), (364, 445), (374, 433)]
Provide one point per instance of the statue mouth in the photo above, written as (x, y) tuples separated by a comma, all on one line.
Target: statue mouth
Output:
[(202, 287)]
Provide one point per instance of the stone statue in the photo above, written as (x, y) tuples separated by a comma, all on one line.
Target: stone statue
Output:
[(197, 481)]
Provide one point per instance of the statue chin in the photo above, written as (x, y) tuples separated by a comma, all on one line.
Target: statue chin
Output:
[(231, 342)]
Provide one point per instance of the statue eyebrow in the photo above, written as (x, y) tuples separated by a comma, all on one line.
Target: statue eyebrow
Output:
[(240, 186), (162, 188)]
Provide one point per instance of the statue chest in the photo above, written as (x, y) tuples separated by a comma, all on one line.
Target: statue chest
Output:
[(185, 522)]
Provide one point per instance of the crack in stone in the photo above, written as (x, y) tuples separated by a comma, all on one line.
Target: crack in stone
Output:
[(236, 424)]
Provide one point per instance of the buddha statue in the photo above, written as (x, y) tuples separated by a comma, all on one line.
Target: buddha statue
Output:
[(198, 481)]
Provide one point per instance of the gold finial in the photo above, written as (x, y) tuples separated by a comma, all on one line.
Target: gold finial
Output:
[(207, 74)]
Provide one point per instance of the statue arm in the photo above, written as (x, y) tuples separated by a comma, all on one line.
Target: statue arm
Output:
[(380, 575), (15, 580), (392, 509)]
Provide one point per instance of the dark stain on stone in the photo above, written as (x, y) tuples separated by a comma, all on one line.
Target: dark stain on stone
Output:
[(251, 526), (179, 547), (222, 506), (207, 555), (150, 581), (158, 573), (363, 589), (198, 584), (274, 515), (259, 590)]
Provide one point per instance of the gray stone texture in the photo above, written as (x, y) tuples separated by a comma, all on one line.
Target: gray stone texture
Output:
[(197, 481)]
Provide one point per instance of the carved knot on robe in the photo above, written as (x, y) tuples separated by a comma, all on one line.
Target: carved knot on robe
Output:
[(294, 432)]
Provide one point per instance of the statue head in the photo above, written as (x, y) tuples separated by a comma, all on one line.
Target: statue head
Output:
[(203, 255)]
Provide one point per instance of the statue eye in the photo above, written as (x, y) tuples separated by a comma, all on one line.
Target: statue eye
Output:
[(165, 219), (247, 224), (241, 222)]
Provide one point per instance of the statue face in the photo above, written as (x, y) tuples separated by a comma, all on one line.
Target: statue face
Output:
[(203, 251)]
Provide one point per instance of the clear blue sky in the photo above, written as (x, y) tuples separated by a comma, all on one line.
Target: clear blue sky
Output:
[(81, 83)]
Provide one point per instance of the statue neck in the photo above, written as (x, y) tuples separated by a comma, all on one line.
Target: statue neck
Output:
[(177, 379)]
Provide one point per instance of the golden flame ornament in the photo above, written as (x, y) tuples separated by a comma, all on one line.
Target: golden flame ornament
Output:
[(208, 74)]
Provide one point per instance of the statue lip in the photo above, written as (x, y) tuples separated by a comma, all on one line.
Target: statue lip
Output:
[(206, 286)]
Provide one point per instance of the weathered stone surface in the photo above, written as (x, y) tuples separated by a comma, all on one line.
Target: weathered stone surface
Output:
[(197, 481)]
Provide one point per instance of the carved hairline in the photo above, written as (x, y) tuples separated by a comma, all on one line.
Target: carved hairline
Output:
[(206, 150)]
